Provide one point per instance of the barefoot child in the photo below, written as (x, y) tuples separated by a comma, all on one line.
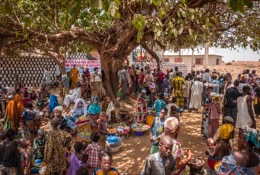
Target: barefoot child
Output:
[(106, 161)]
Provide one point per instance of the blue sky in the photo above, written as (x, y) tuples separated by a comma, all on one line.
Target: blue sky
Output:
[(240, 54)]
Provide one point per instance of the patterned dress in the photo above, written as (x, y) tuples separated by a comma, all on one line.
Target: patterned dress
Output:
[(141, 110), (178, 86), (112, 171), (54, 153), (229, 166)]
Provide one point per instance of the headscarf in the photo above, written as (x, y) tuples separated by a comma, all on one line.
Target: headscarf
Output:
[(94, 108), (53, 102), (225, 131), (59, 108), (228, 119), (172, 123), (84, 107), (253, 135), (14, 110)]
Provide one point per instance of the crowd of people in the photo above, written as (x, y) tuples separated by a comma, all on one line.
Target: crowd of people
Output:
[(27, 145)]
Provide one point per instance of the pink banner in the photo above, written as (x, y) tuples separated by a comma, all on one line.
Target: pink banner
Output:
[(82, 63)]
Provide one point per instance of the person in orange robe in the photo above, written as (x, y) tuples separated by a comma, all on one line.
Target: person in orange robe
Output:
[(14, 111)]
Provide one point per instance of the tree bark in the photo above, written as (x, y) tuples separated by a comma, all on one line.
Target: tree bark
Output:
[(111, 66)]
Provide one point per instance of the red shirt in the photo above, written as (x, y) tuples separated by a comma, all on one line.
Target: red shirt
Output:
[(93, 150), (141, 77), (161, 76)]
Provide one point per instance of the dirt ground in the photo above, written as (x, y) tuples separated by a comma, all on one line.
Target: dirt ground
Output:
[(131, 159)]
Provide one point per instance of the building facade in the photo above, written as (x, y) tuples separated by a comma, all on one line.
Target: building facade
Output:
[(194, 61)]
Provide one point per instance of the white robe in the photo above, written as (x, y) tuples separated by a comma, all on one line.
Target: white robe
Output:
[(110, 108), (196, 95), (72, 97)]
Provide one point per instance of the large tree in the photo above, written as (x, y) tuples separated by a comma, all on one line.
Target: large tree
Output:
[(116, 27)]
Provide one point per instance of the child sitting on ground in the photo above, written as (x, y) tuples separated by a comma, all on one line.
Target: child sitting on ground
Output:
[(76, 159), (93, 150), (211, 155), (23, 131), (38, 145), (26, 155), (106, 161)]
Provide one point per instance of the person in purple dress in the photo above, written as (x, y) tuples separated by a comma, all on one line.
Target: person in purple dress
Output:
[(76, 159)]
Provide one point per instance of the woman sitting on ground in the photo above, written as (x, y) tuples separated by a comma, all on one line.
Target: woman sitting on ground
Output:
[(94, 110), (246, 161), (80, 109)]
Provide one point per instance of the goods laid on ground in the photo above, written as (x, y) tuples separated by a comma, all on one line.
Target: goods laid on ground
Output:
[(140, 128)]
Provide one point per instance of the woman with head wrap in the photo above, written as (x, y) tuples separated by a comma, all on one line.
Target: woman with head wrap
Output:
[(14, 111), (94, 110), (171, 129), (223, 147), (80, 109), (246, 162)]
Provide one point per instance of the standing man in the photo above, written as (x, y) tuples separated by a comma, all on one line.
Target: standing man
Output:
[(46, 76), (196, 94), (74, 73), (96, 84), (246, 113), (206, 76), (230, 101), (178, 85)]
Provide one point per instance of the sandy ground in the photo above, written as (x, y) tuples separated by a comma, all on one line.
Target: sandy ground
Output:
[(131, 159)]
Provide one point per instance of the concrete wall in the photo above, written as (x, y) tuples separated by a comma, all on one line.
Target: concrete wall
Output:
[(190, 60)]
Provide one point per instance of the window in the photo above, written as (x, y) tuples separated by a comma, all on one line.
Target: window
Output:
[(166, 59), (217, 62), (199, 61), (178, 60)]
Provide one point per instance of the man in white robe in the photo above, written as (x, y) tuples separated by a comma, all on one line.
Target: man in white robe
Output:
[(73, 95), (196, 94)]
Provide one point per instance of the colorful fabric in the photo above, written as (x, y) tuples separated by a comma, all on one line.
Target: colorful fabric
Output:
[(157, 128), (141, 114), (112, 171), (93, 150), (54, 153), (229, 166), (178, 152), (13, 112), (225, 130), (159, 105), (38, 147), (178, 86), (94, 108), (74, 72), (53, 102), (213, 127), (24, 133), (205, 122), (215, 111), (77, 112), (253, 135), (75, 163)]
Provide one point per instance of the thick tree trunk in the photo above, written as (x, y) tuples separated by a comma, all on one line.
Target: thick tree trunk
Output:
[(111, 66)]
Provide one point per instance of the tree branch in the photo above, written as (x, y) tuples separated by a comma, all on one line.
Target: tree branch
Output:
[(152, 53)]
